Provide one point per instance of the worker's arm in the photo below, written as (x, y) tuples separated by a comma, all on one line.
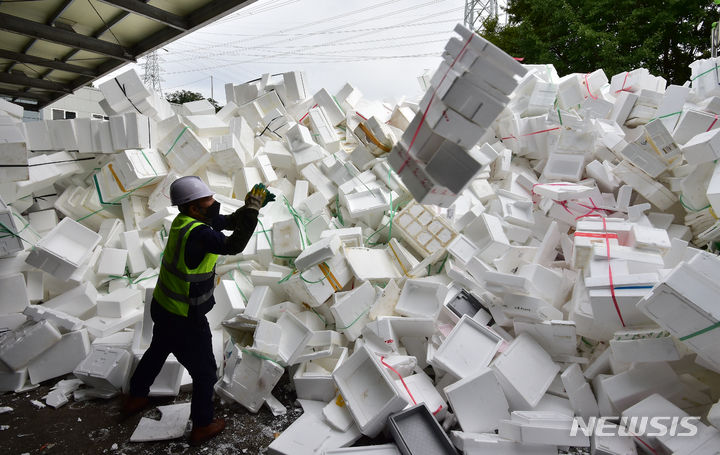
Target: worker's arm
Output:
[(205, 239)]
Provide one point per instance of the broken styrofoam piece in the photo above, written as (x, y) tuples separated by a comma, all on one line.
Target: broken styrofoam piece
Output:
[(382, 449), (318, 252), (368, 390), (312, 434), (172, 424), (294, 336)]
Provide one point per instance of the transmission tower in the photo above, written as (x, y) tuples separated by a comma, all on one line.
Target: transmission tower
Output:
[(476, 11), (151, 77)]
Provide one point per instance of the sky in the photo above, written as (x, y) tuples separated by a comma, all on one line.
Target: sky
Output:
[(379, 46)]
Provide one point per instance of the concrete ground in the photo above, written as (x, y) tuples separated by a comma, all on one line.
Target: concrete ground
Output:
[(93, 426)]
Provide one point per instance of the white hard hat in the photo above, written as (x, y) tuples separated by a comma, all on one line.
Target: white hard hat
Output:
[(187, 189)]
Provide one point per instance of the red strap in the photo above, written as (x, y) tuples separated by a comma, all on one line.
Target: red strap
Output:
[(361, 116), (623, 89), (712, 124), (587, 85), (308, 113), (382, 360), (612, 286), (597, 235)]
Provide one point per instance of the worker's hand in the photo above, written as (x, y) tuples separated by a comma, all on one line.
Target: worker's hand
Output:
[(258, 197)]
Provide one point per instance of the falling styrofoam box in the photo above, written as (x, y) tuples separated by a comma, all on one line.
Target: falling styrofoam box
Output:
[(105, 368)]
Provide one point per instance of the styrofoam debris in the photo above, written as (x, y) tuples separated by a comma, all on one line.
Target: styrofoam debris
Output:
[(171, 425), (545, 244)]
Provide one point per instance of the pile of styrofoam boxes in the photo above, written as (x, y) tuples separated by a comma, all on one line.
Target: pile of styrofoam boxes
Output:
[(553, 279)]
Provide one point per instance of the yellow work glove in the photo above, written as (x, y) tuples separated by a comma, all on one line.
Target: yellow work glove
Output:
[(258, 197)]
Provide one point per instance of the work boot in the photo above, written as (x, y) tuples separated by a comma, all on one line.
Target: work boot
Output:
[(202, 434), (133, 405)]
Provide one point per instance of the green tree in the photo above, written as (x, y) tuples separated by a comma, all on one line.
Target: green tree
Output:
[(579, 36), (185, 96)]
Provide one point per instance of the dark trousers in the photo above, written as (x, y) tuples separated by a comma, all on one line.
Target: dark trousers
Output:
[(190, 341)]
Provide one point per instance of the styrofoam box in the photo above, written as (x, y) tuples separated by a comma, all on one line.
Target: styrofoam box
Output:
[(253, 380), (105, 367), (295, 335), (421, 298), (384, 449), (478, 392), (61, 358), (20, 347), (63, 249), (15, 296), (468, 348), (313, 379), (368, 391), (426, 232), (514, 365)]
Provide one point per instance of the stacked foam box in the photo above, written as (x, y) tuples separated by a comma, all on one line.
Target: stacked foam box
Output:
[(553, 277)]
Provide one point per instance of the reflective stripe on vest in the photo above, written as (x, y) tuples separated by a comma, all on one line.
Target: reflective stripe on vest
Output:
[(173, 285)]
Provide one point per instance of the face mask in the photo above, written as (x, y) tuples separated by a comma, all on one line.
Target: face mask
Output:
[(212, 211)]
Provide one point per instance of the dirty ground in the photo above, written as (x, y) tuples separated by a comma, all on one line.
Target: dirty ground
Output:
[(92, 427)]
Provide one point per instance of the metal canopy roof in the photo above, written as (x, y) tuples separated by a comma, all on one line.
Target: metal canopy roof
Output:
[(49, 48)]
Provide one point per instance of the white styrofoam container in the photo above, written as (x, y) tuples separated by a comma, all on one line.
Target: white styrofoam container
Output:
[(469, 347), (64, 249), (368, 390), (105, 367)]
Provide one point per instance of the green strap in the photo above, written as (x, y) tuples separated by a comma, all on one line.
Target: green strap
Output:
[(706, 72), (176, 141), (700, 332), (356, 319)]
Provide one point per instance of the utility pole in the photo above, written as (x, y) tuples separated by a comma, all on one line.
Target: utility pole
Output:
[(151, 77), (477, 11), (212, 87)]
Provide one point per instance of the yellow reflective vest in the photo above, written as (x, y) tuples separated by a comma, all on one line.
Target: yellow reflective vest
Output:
[(172, 291)]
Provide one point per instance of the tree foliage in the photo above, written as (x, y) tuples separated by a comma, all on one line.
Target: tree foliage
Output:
[(185, 96), (579, 36)]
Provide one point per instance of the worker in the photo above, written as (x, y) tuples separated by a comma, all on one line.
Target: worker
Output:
[(184, 294)]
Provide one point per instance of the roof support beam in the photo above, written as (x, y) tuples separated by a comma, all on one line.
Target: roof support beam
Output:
[(150, 12), (18, 78), (54, 64), (198, 18), (51, 21), (57, 35), (39, 97)]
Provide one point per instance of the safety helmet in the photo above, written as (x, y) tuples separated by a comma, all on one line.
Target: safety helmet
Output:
[(187, 189)]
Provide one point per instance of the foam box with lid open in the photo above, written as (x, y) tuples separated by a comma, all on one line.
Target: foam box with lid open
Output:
[(512, 366), (368, 390), (64, 249), (469, 347)]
